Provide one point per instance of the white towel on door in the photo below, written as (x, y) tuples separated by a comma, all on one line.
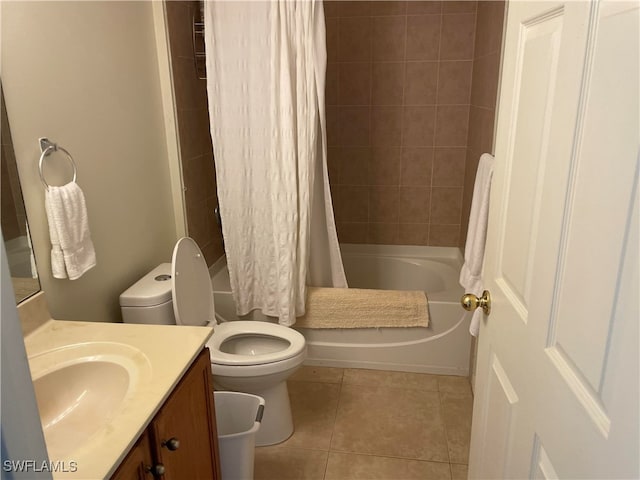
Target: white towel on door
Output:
[(72, 252), (471, 273)]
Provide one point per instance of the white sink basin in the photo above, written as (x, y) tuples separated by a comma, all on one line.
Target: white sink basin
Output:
[(81, 388)]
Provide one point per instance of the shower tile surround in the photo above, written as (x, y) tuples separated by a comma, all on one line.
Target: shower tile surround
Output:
[(196, 151), (345, 428), (404, 85), (484, 91), (398, 93), (410, 95)]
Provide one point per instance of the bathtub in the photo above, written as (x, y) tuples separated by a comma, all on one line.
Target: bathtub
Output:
[(441, 348)]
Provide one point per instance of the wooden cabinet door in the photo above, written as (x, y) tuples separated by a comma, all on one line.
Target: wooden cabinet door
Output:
[(188, 416), (135, 464)]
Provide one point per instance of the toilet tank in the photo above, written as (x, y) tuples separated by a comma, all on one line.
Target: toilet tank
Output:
[(149, 300)]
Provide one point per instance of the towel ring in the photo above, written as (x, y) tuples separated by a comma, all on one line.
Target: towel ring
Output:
[(47, 147)]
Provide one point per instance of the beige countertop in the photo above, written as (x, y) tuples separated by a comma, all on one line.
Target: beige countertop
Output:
[(157, 356)]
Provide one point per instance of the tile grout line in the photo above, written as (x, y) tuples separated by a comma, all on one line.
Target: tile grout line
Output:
[(333, 427), (379, 455), (402, 118), (369, 144), (444, 424), (435, 129)]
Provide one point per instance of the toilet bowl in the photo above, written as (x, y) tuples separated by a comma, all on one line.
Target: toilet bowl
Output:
[(246, 356)]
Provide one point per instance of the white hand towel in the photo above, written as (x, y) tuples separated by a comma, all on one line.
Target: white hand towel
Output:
[(72, 252), (57, 259), (471, 273)]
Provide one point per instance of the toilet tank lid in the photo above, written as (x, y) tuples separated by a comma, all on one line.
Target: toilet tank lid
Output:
[(152, 289)]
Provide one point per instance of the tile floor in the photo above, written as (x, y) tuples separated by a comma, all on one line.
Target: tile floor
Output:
[(353, 424)]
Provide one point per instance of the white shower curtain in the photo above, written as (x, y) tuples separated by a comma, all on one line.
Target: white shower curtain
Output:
[(266, 65)]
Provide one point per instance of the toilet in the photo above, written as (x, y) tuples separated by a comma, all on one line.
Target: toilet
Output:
[(246, 356)]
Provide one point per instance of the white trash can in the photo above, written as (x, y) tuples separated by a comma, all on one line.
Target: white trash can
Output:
[(238, 417)]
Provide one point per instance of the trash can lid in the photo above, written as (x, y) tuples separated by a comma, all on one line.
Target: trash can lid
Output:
[(237, 413)]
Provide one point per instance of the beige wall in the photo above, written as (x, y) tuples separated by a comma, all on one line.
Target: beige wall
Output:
[(85, 74), (398, 92)]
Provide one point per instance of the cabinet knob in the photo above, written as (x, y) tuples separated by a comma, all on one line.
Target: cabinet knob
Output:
[(156, 470), (172, 444)]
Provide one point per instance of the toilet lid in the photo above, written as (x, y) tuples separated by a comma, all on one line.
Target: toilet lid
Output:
[(191, 285)]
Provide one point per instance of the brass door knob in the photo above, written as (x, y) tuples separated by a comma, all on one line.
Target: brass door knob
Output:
[(470, 302)]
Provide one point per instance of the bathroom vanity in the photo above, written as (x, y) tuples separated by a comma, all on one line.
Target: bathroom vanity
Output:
[(122, 401), (181, 440)]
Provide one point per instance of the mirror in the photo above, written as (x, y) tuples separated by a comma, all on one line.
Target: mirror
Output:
[(15, 229)]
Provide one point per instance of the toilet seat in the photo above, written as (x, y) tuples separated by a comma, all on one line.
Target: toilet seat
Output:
[(193, 305), (228, 330)]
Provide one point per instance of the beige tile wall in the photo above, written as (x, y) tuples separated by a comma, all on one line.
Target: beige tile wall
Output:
[(398, 101), (193, 126), (410, 93), (486, 70)]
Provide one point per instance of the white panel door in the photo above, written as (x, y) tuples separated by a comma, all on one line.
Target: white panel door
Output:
[(557, 385)]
